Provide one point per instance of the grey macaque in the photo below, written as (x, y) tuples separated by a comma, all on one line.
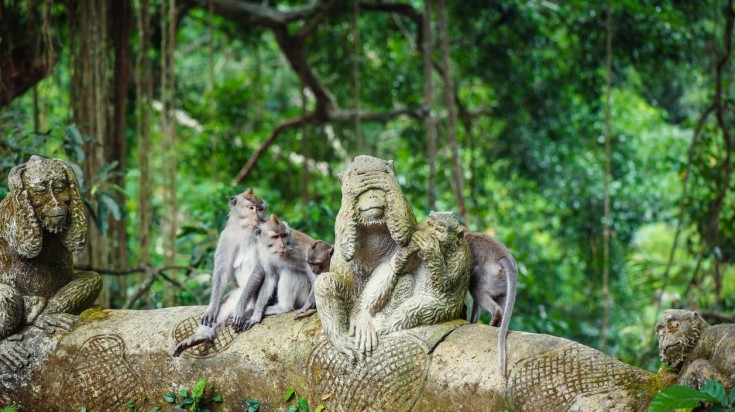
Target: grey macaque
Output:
[(283, 269), (492, 284), (234, 261), (319, 255)]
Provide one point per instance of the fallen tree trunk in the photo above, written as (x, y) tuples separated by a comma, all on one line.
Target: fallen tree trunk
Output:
[(116, 356)]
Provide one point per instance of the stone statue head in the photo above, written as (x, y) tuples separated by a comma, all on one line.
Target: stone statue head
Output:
[(44, 196), (371, 196), (678, 333)]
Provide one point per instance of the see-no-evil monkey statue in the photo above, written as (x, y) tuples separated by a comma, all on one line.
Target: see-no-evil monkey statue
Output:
[(374, 225)]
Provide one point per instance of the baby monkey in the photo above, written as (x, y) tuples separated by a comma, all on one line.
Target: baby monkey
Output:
[(234, 260), (319, 256), (282, 253)]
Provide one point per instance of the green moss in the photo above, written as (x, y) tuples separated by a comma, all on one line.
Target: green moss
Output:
[(94, 313)]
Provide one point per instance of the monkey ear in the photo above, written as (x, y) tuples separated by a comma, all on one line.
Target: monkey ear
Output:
[(15, 179), (274, 219), (76, 235), (391, 165), (331, 251), (23, 231), (249, 192), (313, 245), (233, 200)]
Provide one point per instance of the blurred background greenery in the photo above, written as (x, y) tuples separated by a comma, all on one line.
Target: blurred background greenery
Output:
[(161, 104)]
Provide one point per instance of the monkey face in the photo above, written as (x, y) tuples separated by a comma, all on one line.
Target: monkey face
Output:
[(49, 193), (678, 333), (319, 256), (249, 213), (371, 205), (278, 242)]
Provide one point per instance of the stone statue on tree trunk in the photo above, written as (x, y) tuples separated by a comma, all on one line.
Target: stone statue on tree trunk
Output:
[(42, 223), (698, 351), (387, 274)]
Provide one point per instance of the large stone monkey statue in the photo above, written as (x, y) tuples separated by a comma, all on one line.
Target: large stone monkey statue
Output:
[(42, 224), (374, 223)]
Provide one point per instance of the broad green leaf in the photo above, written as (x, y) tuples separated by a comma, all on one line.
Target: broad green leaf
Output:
[(131, 404), (289, 393), (715, 389), (83, 409), (180, 406), (169, 397), (319, 408), (303, 405), (732, 397), (198, 389), (292, 408), (253, 406), (104, 171), (111, 205), (188, 401), (183, 393), (676, 397), (217, 398)]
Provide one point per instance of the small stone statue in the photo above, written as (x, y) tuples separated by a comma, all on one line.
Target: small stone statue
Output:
[(382, 279), (698, 351), (42, 223)]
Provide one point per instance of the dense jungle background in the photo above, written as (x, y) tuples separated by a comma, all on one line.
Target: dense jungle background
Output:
[(592, 138)]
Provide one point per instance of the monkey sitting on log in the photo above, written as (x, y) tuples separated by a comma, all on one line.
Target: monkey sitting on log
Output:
[(282, 253), (234, 261), (493, 283)]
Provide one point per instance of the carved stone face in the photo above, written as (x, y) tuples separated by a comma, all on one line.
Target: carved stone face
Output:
[(678, 333), (371, 205), (49, 192)]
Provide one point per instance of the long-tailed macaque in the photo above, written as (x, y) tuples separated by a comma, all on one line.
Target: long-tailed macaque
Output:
[(282, 254), (234, 260), (319, 255), (492, 284)]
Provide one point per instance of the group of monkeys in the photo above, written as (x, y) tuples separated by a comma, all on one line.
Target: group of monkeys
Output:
[(260, 256)]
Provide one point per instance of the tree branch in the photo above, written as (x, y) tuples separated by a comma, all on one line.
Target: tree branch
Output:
[(723, 317)]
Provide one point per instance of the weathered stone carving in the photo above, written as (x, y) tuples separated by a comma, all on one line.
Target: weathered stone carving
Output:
[(698, 351), (385, 277), (42, 223)]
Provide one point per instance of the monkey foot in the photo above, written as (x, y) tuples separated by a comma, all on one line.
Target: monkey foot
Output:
[(50, 322), (14, 356), (304, 313)]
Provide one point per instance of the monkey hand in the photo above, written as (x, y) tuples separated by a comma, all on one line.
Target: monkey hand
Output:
[(366, 337), (303, 312), (14, 356), (50, 322), (210, 316), (243, 323)]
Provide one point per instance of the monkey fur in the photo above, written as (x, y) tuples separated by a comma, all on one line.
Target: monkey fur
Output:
[(235, 259), (282, 252)]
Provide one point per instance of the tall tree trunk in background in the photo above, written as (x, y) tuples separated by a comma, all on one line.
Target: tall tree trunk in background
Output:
[(606, 228), (451, 110), (120, 26), (89, 99), (428, 102), (356, 73), (168, 134)]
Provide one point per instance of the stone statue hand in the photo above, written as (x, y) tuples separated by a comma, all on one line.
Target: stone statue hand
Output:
[(49, 322), (428, 245), (364, 332), (210, 316), (14, 356)]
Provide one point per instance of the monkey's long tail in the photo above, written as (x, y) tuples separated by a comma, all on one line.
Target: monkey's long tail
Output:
[(511, 272)]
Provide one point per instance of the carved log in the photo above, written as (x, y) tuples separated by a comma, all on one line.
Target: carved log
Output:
[(114, 356)]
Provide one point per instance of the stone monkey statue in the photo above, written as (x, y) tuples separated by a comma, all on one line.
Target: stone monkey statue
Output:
[(437, 294), (284, 270), (319, 255), (698, 351), (492, 284), (42, 224), (374, 221), (235, 259)]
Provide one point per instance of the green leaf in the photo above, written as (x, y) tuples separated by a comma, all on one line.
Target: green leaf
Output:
[(156, 408), (198, 390), (289, 393), (731, 401), (83, 409), (188, 401), (170, 397), (253, 406), (179, 406), (676, 397), (292, 408), (217, 398), (111, 204), (715, 389), (303, 405), (182, 393), (131, 404), (319, 408)]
